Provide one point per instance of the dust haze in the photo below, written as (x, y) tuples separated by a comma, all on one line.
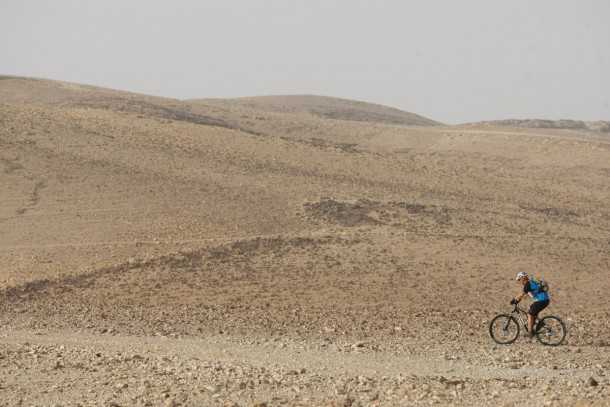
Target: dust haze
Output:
[(455, 62)]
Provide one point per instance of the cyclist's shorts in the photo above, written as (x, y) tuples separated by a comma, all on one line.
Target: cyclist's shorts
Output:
[(538, 306)]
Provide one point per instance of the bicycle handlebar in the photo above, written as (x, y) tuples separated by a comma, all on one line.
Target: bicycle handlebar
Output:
[(515, 304), (517, 308)]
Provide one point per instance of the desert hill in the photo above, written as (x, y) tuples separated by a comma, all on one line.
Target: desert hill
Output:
[(297, 123), (595, 126), (145, 224), (329, 108)]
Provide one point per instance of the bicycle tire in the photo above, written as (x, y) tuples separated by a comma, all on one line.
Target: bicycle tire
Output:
[(543, 333), (508, 321)]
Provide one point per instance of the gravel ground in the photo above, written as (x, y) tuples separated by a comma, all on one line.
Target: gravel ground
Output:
[(71, 368)]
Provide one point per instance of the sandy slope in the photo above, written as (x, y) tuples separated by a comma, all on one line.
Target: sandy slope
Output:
[(127, 219)]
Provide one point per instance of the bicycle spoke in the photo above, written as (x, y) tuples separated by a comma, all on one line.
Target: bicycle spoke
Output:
[(504, 329)]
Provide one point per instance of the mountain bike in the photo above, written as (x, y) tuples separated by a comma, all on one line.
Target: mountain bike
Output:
[(504, 328)]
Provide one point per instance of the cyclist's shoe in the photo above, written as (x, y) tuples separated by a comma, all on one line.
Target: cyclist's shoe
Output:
[(540, 325)]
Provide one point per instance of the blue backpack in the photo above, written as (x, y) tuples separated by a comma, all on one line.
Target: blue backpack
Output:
[(540, 289), (543, 285)]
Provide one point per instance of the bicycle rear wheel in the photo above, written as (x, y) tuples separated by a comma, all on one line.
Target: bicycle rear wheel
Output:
[(504, 329), (551, 331)]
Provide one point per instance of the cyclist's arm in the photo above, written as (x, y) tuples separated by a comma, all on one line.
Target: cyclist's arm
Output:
[(523, 293)]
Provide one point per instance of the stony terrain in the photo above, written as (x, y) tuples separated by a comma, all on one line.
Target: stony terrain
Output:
[(164, 252)]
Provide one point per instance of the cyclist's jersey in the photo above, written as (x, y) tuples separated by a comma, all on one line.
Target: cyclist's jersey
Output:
[(533, 289)]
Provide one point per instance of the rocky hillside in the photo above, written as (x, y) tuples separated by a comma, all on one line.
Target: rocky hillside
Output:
[(596, 126)]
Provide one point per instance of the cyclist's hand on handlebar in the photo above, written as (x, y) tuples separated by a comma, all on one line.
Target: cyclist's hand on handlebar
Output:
[(514, 301)]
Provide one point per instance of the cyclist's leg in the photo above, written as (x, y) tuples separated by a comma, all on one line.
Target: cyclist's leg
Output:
[(533, 312), (531, 320)]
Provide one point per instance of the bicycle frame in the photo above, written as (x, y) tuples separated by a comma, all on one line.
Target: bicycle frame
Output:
[(521, 315)]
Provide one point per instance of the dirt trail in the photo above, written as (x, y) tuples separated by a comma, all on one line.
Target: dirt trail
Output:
[(58, 368), (290, 356)]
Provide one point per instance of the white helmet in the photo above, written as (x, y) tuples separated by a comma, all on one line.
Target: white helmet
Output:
[(520, 275)]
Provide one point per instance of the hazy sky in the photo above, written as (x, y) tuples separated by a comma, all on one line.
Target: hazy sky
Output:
[(452, 61)]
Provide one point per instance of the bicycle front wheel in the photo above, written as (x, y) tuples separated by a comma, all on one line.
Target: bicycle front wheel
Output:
[(504, 329), (551, 331)]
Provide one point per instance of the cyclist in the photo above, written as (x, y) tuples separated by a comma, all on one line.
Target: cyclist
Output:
[(541, 299)]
